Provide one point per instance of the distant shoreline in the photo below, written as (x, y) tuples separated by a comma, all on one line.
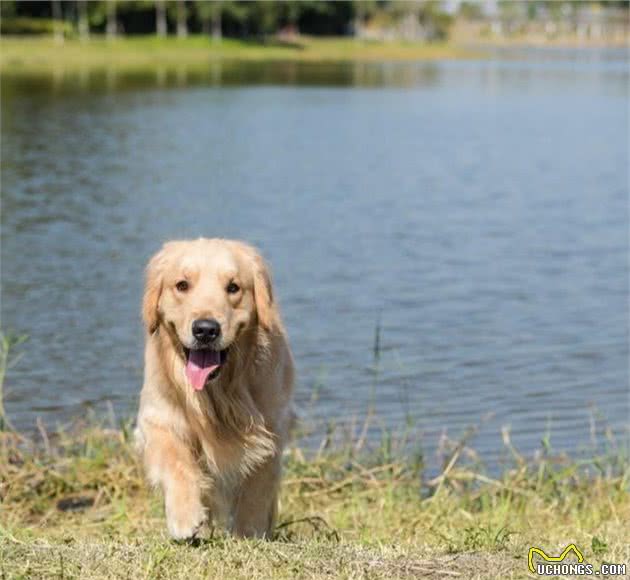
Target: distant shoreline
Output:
[(44, 53), (41, 54)]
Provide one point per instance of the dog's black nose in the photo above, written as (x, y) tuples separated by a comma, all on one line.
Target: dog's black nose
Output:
[(206, 329)]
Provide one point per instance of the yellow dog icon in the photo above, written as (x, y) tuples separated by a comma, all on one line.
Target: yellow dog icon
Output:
[(560, 558)]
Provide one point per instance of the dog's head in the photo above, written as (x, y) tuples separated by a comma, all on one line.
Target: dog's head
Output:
[(206, 293)]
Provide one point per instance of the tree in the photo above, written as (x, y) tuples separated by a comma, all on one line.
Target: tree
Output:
[(111, 18), (160, 18), (58, 18), (293, 11), (7, 9), (209, 14), (216, 21), (264, 16), (234, 14), (363, 9), (434, 20), (471, 10), (84, 25), (182, 19)]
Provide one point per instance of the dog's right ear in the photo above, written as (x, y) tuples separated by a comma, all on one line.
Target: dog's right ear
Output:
[(152, 291)]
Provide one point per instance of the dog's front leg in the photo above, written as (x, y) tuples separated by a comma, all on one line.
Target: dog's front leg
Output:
[(170, 463), (257, 503)]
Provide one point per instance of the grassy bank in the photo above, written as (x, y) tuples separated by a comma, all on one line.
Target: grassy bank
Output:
[(43, 53), (76, 506)]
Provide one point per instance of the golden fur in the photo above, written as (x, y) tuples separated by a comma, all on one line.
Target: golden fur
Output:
[(216, 452)]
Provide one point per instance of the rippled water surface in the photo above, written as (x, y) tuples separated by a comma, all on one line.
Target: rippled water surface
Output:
[(477, 209)]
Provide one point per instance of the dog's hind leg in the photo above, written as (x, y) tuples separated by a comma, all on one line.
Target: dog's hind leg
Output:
[(257, 502)]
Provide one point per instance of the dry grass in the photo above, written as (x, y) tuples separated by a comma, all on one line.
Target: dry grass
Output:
[(75, 506)]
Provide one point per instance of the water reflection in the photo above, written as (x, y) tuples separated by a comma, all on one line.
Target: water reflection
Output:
[(222, 73)]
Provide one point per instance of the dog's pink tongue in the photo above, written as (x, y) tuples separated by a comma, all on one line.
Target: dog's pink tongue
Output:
[(199, 365)]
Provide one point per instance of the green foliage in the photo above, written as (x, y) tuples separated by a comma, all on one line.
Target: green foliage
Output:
[(267, 17), (435, 20), (7, 9), (34, 26), (261, 17), (470, 10), (206, 10), (264, 17), (97, 14), (598, 546)]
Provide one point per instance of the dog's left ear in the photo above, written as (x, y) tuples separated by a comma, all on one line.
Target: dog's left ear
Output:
[(263, 293)]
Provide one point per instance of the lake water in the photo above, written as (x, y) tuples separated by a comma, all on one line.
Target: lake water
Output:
[(478, 210)]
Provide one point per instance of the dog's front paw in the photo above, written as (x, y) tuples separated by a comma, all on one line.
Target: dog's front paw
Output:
[(184, 519)]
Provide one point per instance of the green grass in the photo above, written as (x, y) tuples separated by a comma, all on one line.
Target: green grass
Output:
[(344, 513), (43, 53)]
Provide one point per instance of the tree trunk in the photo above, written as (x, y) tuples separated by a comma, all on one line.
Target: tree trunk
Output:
[(58, 18), (84, 25), (182, 25), (160, 18), (413, 18), (216, 21), (111, 18), (359, 17)]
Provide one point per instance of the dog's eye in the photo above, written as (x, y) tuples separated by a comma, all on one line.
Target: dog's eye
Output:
[(232, 288), (182, 286)]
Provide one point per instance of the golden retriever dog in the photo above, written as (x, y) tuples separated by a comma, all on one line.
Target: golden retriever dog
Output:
[(215, 407)]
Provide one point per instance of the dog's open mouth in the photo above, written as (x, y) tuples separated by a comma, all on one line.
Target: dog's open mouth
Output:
[(203, 365)]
